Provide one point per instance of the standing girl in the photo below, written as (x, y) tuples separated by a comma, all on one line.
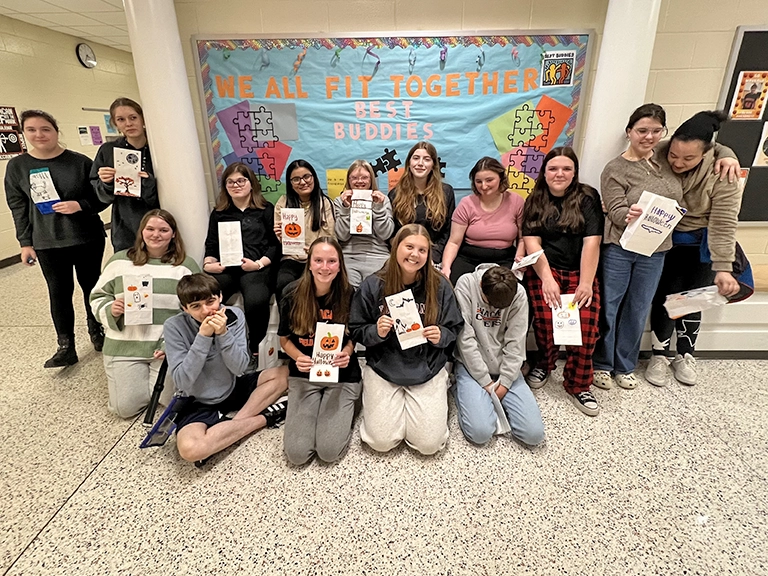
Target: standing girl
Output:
[(421, 197), (127, 210), (629, 278), (405, 392), (364, 253), (302, 191), (319, 419), (55, 211), (486, 226), (133, 353), (564, 218), (240, 200)]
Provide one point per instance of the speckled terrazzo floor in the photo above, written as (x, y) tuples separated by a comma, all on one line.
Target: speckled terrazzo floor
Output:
[(664, 481)]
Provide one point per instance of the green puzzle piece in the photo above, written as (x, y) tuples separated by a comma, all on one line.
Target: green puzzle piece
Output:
[(522, 132)]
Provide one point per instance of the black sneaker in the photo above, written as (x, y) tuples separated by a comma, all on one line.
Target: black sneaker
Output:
[(537, 377), (275, 414), (66, 355), (253, 364), (96, 332), (586, 402)]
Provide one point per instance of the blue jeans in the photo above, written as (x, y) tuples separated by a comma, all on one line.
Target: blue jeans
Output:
[(477, 418), (628, 285)]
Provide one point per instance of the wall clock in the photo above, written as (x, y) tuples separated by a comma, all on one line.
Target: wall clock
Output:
[(86, 55)]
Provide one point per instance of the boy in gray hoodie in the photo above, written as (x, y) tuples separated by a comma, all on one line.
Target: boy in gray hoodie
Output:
[(490, 351)]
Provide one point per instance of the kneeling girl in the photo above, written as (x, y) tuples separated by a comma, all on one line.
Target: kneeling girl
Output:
[(405, 392), (319, 419)]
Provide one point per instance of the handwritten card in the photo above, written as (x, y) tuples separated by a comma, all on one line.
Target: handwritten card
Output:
[(230, 244), (405, 314), (293, 231), (138, 299), (502, 423), (329, 338), (696, 300), (127, 168), (361, 212), (646, 232), (566, 323), (42, 190)]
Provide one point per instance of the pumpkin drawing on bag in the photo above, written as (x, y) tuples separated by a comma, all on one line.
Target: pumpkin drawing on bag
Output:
[(329, 342), (292, 230)]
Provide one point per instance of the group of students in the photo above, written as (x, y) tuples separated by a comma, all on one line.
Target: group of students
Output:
[(455, 259)]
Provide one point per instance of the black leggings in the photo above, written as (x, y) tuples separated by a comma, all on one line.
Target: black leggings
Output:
[(56, 265), (256, 288), (683, 270), (470, 257)]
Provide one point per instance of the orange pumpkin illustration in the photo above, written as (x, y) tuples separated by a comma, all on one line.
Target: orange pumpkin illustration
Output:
[(415, 326), (319, 372), (359, 227), (271, 351), (292, 230), (327, 373), (329, 342), (131, 288)]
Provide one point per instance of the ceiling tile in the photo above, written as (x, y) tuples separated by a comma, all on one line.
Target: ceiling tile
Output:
[(68, 19), (84, 5), (30, 6), (113, 18), (66, 30), (99, 30)]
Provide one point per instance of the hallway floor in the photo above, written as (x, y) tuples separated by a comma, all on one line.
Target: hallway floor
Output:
[(664, 481)]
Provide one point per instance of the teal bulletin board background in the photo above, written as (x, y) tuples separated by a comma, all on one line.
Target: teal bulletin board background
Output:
[(333, 100)]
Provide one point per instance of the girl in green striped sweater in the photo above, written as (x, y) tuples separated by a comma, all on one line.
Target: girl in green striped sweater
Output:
[(148, 273)]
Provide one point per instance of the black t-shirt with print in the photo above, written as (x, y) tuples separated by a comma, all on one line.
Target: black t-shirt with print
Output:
[(563, 249), (306, 342)]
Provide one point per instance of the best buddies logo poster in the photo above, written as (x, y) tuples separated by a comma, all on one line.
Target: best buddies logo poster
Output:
[(333, 100)]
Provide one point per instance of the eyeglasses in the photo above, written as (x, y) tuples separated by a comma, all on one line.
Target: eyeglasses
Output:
[(642, 132), (239, 183), (359, 178), (307, 178)]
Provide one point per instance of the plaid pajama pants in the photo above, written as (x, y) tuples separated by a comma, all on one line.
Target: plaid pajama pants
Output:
[(577, 374)]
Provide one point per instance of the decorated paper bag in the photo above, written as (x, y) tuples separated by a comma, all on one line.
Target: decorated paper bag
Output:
[(405, 314), (230, 244), (42, 190), (566, 323), (646, 232), (293, 231), (127, 168), (361, 212), (695, 300), (138, 299), (329, 339)]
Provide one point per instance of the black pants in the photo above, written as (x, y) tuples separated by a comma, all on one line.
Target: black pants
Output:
[(470, 257), (256, 288), (56, 265), (290, 270), (683, 270)]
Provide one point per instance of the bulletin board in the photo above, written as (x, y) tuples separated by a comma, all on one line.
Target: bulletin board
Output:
[(330, 101), (743, 96)]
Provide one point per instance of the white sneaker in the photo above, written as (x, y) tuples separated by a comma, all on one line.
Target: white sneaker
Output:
[(656, 372), (626, 381), (684, 368), (602, 379)]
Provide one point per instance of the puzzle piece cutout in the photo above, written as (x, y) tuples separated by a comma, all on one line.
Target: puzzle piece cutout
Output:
[(388, 161), (255, 129), (516, 127), (519, 182), (524, 159)]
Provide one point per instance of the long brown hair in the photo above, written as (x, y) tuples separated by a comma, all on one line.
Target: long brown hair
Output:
[(540, 211), (224, 200), (122, 101), (304, 310), (175, 254), (404, 203), (427, 275), (486, 163)]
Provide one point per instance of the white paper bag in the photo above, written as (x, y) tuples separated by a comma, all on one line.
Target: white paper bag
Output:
[(405, 313), (529, 260), (361, 212), (329, 339), (502, 424), (691, 301), (42, 190), (293, 231), (566, 322), (646, 232), (127, 168), (138, 299), (230, 244)]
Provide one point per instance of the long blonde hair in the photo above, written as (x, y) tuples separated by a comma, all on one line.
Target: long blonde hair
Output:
[(175, 254), (365, 165), (406, 194), (427, 275)]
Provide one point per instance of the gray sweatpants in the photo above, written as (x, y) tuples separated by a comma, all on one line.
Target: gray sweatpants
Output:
[(319, 419), (131, 381)]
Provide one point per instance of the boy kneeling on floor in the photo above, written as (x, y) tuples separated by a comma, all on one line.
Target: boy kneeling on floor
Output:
[(489, 351), (207, 354)]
